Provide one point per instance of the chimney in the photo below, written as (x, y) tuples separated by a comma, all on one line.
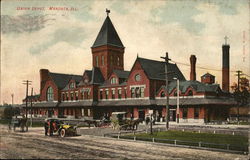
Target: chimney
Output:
[(44, 75), (225, 67), (192, 71)]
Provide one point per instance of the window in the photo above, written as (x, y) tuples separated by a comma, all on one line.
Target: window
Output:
[(106, 94), (113, 94), (71, 96), (184, 112), (196, 113), (175, 93), (125, 92), (132, 92), (137, 92), (190, 93), (119, 93), (72, 85), (113, 80), (118, 61), (67, 96), (111, 60), (50, 94), (137, 77), (142, 92), (76, 95), (100, 94), (162, 94), (82, 95), (96, 61), (63, 98), (103, 60)]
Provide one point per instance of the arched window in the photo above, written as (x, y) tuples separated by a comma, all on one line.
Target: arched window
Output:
[(50, 94), (96, 61), (162, 94), (103, 60), (111, 60), (175, 93), (137, 77), (118, 61), (113, 80), (190, 93)]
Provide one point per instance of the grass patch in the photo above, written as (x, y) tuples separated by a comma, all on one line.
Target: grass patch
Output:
[(236, 142)]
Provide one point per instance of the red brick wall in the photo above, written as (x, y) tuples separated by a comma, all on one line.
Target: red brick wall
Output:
[(136, 113), (144, 80), (190, 113), (43, 94), (108, 51)]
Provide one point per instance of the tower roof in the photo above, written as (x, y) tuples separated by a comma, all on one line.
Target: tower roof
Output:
[(107, 35)]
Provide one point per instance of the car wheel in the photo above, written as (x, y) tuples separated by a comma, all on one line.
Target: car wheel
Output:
[(62, 133)]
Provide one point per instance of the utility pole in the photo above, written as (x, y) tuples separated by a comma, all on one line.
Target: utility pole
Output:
[(31, 107), (12, 97), (239, 73), (166, 90), (27, 83)]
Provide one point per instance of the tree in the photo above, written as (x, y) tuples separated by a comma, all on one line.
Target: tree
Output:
[(241, 93)]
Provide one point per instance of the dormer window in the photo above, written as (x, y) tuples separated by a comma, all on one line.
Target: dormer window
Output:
[(190, 93), (113, 80), (137, 77), (72, 85), (162, 94)]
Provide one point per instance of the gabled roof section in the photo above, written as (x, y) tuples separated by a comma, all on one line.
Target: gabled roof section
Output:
[(156, 69), (121, 74), (107, 35), (61, 80), (97, 77), (196, 85), (207, 75)]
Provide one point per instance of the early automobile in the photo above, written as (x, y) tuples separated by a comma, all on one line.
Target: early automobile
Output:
[(56, 126)]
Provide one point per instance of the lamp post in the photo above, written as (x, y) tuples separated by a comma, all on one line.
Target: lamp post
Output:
[(178, 100)]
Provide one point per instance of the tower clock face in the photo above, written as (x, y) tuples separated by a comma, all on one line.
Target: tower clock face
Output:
[(86, 80)]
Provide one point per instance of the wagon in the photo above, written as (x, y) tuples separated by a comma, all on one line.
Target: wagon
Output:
[(19, 121), (119, 121)]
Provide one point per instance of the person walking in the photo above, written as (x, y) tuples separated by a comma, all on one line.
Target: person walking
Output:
[(46, 126)]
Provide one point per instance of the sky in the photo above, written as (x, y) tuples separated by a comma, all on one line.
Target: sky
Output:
[(57, 35)]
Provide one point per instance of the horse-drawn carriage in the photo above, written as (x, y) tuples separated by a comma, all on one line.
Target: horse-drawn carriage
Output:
[(19, 121), (119, 121)]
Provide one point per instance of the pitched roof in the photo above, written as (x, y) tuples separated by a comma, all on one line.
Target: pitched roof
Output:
[(196, 85), (121, 73), (207, 75), (107, 35), (97, 77), (61, 80), (156, 69)]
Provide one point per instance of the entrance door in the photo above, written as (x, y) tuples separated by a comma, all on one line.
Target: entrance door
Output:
[(172, 115), (142, 115)]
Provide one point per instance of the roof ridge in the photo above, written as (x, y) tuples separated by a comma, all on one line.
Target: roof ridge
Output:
[(64, 74)]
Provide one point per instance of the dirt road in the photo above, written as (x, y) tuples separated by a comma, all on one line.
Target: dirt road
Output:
[(34, 144)]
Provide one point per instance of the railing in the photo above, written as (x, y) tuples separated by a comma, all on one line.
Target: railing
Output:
[(242, 149)]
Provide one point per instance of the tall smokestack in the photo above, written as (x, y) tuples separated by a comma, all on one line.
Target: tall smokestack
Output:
[(225, 66), (192, 71)]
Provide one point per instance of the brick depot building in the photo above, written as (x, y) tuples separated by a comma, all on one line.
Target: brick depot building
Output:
[(109, 88)]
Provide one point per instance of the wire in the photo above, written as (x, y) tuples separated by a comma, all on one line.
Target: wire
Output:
[(200, 67)]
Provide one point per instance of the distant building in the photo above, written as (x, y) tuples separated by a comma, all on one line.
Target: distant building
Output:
[(109, 88)]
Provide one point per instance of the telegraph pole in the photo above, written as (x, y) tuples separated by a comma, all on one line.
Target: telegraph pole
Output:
[(12, 97), (239, 73), (27, 83), (31, 105), (166, 89)]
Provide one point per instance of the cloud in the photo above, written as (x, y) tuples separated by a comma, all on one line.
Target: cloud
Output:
[(23, 23), (180, 12), (73, 36)]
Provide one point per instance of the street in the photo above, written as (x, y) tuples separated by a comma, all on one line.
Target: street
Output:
[(34, 145)]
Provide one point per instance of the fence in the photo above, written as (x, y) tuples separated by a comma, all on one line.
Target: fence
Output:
[(190, 144)]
